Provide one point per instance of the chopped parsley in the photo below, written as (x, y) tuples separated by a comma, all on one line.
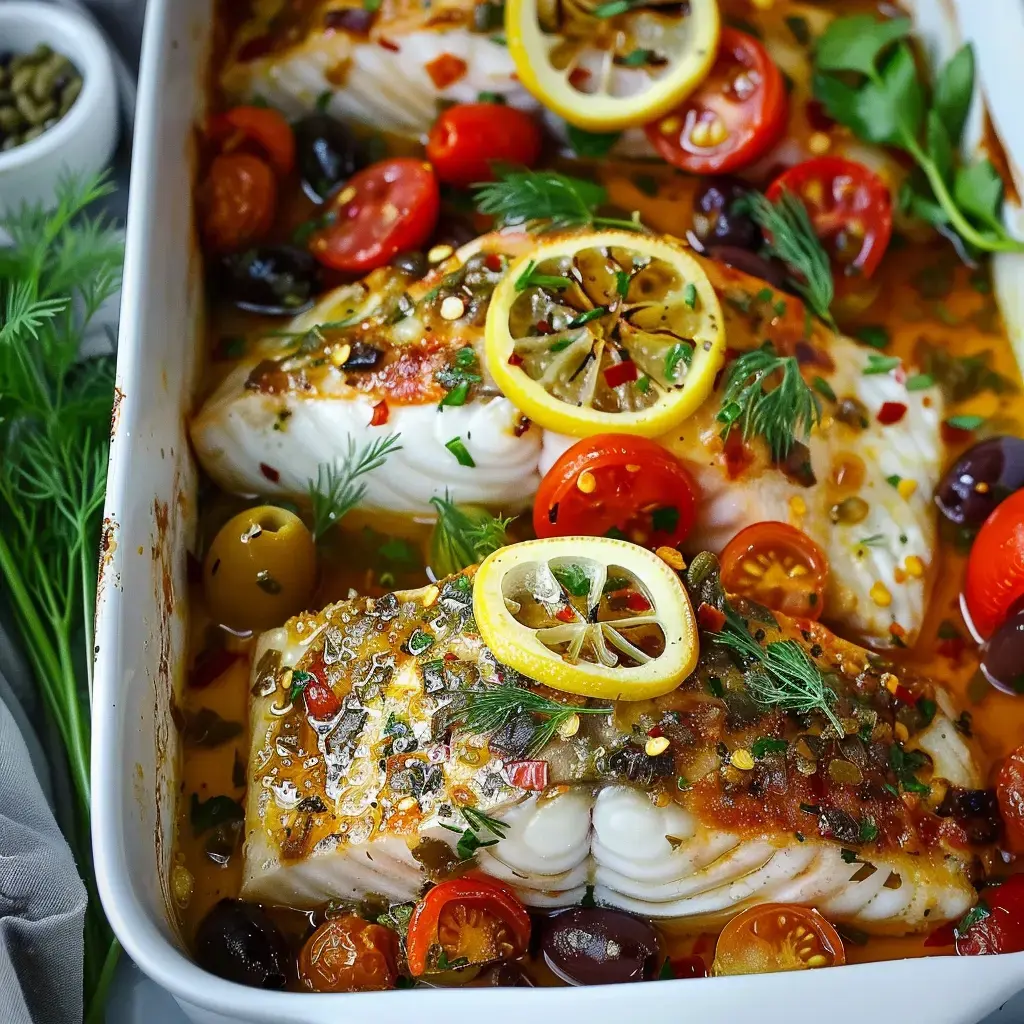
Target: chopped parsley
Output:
[(680, 352), (874, 335), (764, 745), (461, 452), (880, 364)]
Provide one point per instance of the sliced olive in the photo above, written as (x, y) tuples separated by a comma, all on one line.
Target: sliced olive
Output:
[(238, 941), (1003, 658), (980, 479), (719, 217), (275, 280), (260, 570), (594, 946), (327, 154)]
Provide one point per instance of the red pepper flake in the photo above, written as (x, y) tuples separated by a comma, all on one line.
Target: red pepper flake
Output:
[(565, 614), (891, 412), (528, 775), (387, 44), (955, 435), (655, 731), (579, 77), (321, 701), (211, 665), (493, 262), (621, 373), (903, 695), (543, 327), (451, 656), (637, 602), (515, 359), (522, 426), (710, 618), (446, 70), (380, 414), (270, 473), (737, 455)]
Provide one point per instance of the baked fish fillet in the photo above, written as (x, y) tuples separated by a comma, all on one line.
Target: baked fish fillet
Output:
[(289, 407), (747, 805)]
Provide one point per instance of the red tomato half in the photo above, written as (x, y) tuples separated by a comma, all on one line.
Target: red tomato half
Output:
[(850, 207), (995, 569), (468, 139), (737, 114), (472, 920), (617, 482), (261, 125), (237, 201), (1010, 793), (777, 937), (998, 927), (778, 566), (389, 208)]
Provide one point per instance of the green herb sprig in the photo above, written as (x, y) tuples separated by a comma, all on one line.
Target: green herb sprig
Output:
[(781, 415), (464, 535), (887, 103), (545, 200), (488, 710), (54, 438), (794, 241), (787, 679), (338, 488)]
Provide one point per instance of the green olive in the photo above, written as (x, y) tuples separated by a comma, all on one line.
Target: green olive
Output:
[(260, 569)]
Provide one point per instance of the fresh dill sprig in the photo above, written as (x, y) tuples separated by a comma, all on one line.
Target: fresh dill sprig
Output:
[(529, 278), (479, 824), (338, 487), (54, 438), (792, 238), (463, 535), (782, 415), (547, 199), (781, 674), (488, 710)]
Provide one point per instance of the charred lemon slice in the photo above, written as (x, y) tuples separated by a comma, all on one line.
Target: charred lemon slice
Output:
[(589, 615), (604, 65), (605, 331)]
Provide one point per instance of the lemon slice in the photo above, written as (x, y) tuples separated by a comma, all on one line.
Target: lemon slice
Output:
[(589, 615), (605, 331), (604, 65)]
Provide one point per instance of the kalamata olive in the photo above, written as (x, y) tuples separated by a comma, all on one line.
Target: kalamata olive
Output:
[(770, 271), (594, 946), (327, 154), (275, 280), (980, 479), (261, 568), (412, 263), (238, 941), (718, 217), (1003, 659)]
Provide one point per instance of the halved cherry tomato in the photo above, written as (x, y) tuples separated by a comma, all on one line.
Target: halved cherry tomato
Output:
[(471, 920), (1010, 794), (995, 569), (468, 139), (850, 207), (733, 119), (388, 208), (617, 482), (997, 926), (348, 954), (321, 701), (263, 126), (777, 937), (237, 202), (778, 566)]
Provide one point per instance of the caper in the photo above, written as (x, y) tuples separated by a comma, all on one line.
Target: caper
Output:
[(36, 90), (10, 119)]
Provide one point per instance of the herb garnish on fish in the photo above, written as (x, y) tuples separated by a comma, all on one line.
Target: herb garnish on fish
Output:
[(463, 536), (782, 415), (338, 489)]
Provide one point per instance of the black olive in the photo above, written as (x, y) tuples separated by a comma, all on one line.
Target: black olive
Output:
[(638, 766), (770, 271), (363, 356), (327, 154), (981, 478), (238, 941), (412, 263), (1003, 659), (719, 217), (976, 811), (594, 946), (275, 280), (503, 975)]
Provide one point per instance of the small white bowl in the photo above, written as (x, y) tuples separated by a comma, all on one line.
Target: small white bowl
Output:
[(83, 141)]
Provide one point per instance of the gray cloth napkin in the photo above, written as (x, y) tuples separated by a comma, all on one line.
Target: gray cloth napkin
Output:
[(42, 899)]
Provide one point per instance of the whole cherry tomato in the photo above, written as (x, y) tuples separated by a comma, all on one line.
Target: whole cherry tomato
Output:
[(348, 954), (264, 127), (995, 568), (850, 207), (996, 925), (468, 139), (237, 201), (737, 114), (617, 482), (388, 208)]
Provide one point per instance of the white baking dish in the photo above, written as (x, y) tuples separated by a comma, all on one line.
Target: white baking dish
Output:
[(142, 618)]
